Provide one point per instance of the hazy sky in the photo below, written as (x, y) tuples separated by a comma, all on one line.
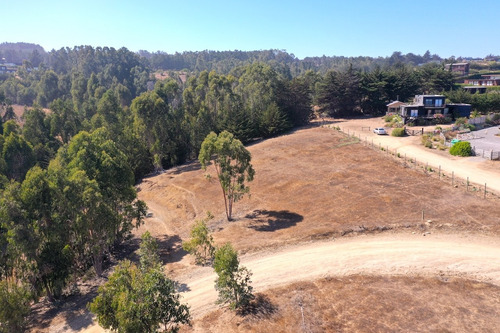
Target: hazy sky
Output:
[(304, 28)]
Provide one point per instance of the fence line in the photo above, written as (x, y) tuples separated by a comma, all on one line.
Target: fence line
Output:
[(488, 154), (428, 170)]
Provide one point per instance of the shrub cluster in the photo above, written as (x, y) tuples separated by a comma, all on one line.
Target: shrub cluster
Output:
[(461, 149), (399, 131)]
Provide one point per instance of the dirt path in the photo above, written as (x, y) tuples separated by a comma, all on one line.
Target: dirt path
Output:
[(383, 254), (479, 170), (379, 255)]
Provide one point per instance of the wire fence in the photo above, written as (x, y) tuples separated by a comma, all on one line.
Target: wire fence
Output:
[(488, 154), (425, 167)]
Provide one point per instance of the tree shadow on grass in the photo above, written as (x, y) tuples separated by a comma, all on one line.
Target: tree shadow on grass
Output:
[(259, 308), (72, 311), (186, 167), (170, 249), (271, 220)]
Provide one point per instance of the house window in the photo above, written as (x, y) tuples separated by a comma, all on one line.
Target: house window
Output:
[(414, 113), (439, 102), (428, 102)]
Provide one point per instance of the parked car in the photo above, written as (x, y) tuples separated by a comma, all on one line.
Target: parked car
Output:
[(379, 131)]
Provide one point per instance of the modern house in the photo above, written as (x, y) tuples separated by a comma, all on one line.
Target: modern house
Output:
[(429, 106), (489, 80), (461, 68)]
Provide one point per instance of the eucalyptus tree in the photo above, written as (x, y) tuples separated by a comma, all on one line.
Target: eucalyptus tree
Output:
[(231, 161)]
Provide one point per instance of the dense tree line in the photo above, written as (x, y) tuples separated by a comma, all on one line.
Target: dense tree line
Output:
[(482, 103), (351, 92), (81, 74)]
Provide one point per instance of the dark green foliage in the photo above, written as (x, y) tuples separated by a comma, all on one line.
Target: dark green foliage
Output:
[(462, 148), (483, 103), (233, 281), (340, 93), (102, 192), (140, 300), (14, 307), (18, 156), (201, 242), (398, 131), (148, 252), (232, 164)]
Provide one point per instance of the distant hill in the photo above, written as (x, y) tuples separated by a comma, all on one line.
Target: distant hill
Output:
[(17, 52)]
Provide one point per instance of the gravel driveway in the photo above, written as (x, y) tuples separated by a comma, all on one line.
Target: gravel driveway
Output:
[(486, 139)]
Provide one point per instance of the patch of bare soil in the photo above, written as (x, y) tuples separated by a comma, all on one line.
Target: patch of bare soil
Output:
[(360, 303)]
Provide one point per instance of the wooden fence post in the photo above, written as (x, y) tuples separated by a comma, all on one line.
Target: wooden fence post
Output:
[(485, 190), (439, 172), (452, 178), (467, 184)]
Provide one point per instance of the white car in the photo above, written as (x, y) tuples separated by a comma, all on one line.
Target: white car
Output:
[(379, 131)]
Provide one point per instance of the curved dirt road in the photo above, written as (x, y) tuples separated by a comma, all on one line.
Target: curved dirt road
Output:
[(384, 254), (476, 258)]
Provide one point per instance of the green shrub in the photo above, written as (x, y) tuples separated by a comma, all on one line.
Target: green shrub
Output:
[(425, 138), (470, 127), (398, 131), (14, 307), (393, 120), (462, 148), (388, 118), (460, 121), (428, 144)]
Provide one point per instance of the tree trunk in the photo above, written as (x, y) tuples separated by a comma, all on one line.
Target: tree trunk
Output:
[(230, 210), (98, 262)]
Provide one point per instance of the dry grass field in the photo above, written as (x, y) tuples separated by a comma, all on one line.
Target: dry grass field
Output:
[(311, 185), (365, 303)]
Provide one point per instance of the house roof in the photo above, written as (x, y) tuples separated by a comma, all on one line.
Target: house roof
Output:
[(395, 103)]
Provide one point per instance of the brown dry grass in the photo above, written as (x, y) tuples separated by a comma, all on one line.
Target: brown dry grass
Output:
[(316, 183), (312, 184), (367, 304)]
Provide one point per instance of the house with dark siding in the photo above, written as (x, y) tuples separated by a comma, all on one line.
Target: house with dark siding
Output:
[(430, 106)]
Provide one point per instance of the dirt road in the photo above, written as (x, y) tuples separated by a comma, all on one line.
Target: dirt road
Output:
[(383, 254), (479, 170), (378, 255)]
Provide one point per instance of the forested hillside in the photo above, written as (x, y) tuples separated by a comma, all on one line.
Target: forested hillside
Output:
[(67, 171)]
